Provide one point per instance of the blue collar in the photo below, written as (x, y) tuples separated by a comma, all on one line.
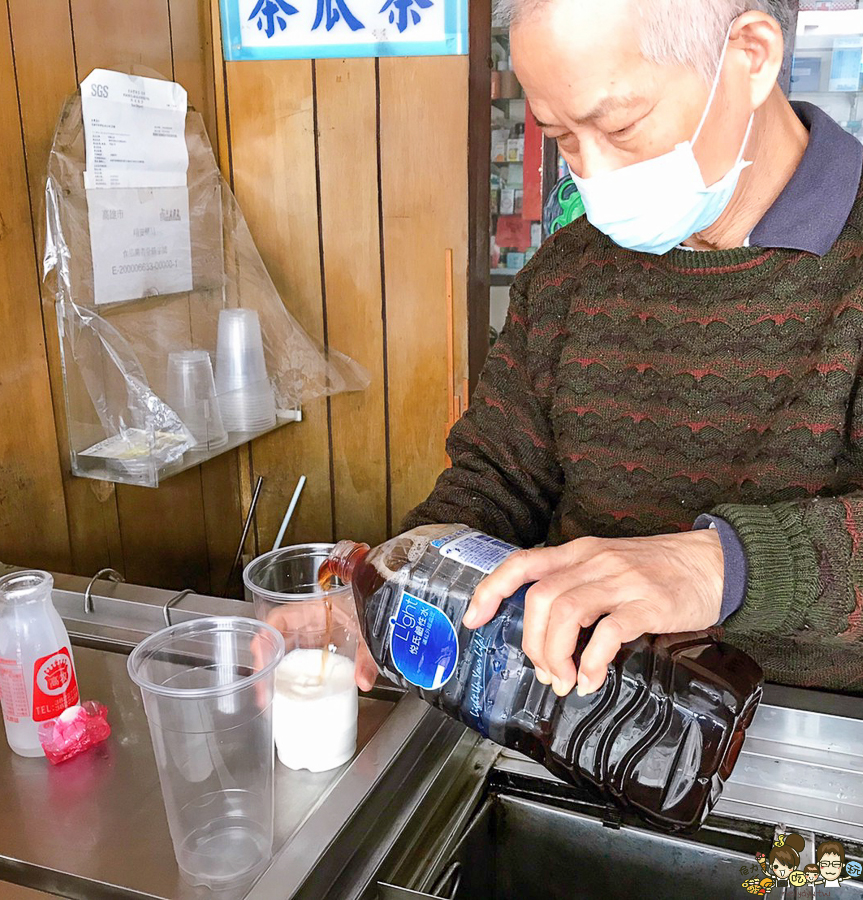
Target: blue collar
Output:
[(814, 206)]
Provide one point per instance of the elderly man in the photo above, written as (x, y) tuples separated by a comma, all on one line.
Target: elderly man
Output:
[(674, 406)]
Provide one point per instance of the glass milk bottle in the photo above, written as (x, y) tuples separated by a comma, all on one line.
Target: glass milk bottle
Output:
[(37, 674)]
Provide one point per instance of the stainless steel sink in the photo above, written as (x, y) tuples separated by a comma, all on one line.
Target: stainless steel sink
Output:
[(532, 849), (536, 850), (530, 835)]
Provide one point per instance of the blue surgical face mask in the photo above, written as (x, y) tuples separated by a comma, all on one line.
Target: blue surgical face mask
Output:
[(653, 206)]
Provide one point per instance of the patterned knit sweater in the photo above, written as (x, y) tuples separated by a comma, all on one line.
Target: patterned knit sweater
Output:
[(629, 393)]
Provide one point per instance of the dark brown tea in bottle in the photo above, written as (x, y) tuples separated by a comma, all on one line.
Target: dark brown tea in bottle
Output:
[(660, 737)]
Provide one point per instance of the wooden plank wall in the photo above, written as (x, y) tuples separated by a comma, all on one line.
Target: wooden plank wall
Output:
[(353, 177)]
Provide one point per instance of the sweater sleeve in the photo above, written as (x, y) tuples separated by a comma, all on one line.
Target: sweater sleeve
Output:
[(505, 478), (804, 557), (805, 568)]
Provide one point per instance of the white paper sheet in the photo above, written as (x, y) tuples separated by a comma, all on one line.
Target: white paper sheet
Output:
[(137, 450), (134, 128), (140, 240)]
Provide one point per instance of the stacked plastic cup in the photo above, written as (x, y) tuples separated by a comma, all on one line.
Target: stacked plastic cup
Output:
[(192, 395), (245, 394)]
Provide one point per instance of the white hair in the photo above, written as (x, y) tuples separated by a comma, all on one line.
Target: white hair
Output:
[(688, 32)]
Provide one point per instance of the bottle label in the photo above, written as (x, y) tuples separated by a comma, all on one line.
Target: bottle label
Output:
[(13, 691), (437, 543), (423, 643), (478, 551), (54, 685)]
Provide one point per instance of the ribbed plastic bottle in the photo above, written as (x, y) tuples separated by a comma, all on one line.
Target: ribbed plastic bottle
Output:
[(660, 737), (37, 673)]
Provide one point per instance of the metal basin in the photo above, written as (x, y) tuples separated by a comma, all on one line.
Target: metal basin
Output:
[(535, 848), (530, 835), (533, 851)]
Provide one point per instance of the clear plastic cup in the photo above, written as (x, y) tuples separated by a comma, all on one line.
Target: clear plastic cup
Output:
[(208, 688), (249, 409), (246, 396), (239, 351), (191, 393), (316, 703)]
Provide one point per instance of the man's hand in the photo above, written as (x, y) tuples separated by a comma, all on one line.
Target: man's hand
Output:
[(366, 670), (646, 585), (302, 625)]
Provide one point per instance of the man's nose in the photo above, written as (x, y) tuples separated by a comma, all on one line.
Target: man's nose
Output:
[(593, 160)]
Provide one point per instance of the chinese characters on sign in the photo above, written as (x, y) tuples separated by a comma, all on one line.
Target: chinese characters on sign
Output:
[(335, 11), (401, 8), (269, 13), (309, 29)]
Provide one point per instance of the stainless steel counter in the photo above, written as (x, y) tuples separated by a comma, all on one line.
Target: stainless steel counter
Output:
[(15, 892), (100, 818), (95, 827)]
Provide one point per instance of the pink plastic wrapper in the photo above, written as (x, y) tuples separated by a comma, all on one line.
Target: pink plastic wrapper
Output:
[(75, 730)]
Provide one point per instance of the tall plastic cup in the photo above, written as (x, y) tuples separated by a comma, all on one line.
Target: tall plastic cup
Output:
[(207, 687), (316, 703), (191, 393)]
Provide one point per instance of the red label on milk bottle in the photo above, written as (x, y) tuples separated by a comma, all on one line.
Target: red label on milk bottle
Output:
[(54, 685)]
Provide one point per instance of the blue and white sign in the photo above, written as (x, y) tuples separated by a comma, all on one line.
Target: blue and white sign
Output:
[(315, 29)]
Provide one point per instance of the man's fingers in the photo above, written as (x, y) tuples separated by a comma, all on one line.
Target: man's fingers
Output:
[(538, 604), (561, 641), (520, 569), (365, 674), (572, 611), (365, 670), (628, 622)]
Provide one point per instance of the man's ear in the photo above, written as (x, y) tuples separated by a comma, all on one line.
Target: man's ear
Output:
[(760, 37)]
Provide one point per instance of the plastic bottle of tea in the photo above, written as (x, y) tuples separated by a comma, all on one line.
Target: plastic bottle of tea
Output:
[(660, 736)]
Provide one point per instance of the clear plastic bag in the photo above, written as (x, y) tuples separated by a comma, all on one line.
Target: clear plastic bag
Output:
[(115, 355)]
